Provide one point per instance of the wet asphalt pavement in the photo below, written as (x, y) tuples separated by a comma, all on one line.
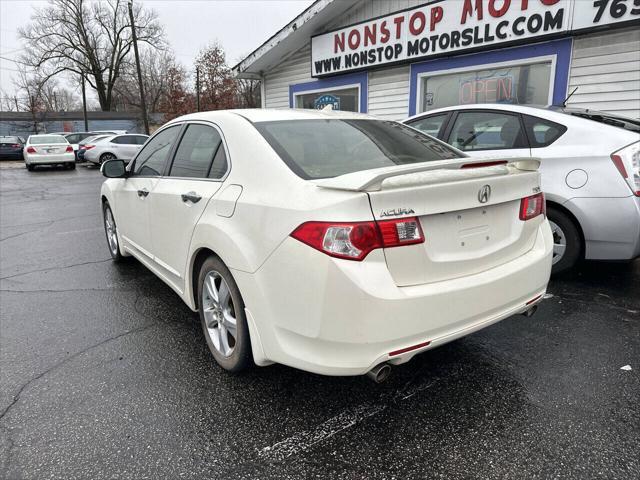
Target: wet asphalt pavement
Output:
[(105, 374)]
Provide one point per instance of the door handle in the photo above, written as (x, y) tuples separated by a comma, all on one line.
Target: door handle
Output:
[(143, 193), (192, 197)]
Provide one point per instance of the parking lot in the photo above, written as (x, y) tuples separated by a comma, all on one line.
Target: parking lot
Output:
[(105, 374)]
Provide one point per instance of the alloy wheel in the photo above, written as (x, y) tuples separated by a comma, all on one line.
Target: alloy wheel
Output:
[(559, 242), (112, 234), (219, 313)]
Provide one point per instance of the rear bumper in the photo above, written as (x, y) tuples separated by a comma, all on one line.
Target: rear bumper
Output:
[(611, 226), (50, 159), (11, 155), (337, 317)]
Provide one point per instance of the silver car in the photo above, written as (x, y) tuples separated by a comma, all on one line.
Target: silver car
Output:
[(123, 147), (590, 169)]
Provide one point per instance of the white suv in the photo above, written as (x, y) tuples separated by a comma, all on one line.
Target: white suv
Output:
[(331, 242)]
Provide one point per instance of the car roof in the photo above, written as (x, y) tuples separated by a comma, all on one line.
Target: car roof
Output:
[(272, 115)]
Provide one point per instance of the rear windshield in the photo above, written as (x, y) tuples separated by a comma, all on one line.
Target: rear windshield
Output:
[(10, 140), (47, 139), (327, 148)]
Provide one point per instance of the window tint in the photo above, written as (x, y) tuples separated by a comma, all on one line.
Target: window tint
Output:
[(153, 156), (75, 138), (219, 167), (128, 140), (140, 139), (487, 131), (117, 140), (328, 148), (542, 133), (195, 152), (430, 125)]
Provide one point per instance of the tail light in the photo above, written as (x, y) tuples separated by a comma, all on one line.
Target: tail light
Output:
[(531, 207), (87, 147), (354, 240), (31, 150), (69, 149), (16, 145), (627, 161)]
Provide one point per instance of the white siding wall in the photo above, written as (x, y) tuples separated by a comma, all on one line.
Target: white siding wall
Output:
[(388, 88), (606, 69), (389, 93), (295, 69)]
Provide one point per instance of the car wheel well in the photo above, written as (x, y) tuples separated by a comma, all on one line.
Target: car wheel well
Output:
[(576, 223), (200, 257)]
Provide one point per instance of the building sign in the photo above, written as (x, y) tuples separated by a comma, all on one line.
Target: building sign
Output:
[(324, 100), (447, 26)]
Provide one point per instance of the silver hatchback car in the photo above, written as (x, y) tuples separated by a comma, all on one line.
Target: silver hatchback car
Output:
[(590, 169)]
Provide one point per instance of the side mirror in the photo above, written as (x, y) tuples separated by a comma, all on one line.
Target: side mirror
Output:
[(114, 169)]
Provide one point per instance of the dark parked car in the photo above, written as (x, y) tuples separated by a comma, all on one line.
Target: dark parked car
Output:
[(11, 148)]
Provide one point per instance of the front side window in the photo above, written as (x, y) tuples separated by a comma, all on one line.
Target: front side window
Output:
[(518, 85), (487, 131), (542, 133), (430, 125), (327, 148), (196, 151), (153, 157), (347, 99)]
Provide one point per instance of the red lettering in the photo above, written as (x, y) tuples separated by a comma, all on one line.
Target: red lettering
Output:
[(412, 23), (490, 88), (548, 3), (370, 34), (524, 4), (386, 34), (436, 16), (467, 10), (354, 39), (338, 42), (498, 12), (398, 21)]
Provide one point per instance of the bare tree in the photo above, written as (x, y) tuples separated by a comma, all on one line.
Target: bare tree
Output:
[(248, 93), (90, 38), (156, 70), (31, 98), (217, 86)]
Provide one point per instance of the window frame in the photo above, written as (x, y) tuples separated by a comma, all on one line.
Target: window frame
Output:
[(132, 164), (443, 127), (452, 121), (563, 128), (174, 149), (358, 80)]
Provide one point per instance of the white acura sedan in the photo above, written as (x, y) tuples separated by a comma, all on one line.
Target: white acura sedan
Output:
[(48, 150), (331, 242)]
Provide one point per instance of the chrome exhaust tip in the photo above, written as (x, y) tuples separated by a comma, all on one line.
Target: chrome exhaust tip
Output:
[(531, 311), (380, 373)]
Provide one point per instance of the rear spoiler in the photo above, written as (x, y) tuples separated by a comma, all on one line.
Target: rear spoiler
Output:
[(371, 180)]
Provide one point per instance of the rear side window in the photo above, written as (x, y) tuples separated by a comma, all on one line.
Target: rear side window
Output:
[(75, 138), (542, 133), (117, 140), (196, 152), (487, 131), (152, 158), (328, 148), (139, 139), (430, 125)]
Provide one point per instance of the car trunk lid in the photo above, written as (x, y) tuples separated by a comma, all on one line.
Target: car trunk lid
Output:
[(469, 216)]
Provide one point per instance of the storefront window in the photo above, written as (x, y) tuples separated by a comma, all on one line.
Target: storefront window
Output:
[(518, 84), (344, 99)]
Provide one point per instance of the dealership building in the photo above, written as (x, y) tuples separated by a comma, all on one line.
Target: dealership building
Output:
[(396, 58)]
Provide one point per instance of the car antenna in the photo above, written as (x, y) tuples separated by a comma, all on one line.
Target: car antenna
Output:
[(564, 104)]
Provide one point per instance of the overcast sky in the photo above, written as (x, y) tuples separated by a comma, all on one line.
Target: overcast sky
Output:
[(239, 25)]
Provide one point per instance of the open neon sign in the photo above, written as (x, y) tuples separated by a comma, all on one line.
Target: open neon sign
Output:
[(486, 90)]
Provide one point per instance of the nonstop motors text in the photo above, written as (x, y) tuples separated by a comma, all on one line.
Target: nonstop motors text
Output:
[(472, 37)]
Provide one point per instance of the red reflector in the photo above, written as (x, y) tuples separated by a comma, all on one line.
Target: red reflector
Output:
[(531, 207), (534, 299), (484, 164), (617, 161), (409, 349), (69, 149), (31, 150)]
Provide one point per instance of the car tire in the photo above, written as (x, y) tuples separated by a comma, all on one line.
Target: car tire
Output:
[(567, 243), (111, 231), (71, 166), (217, 314), (106, 156)]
